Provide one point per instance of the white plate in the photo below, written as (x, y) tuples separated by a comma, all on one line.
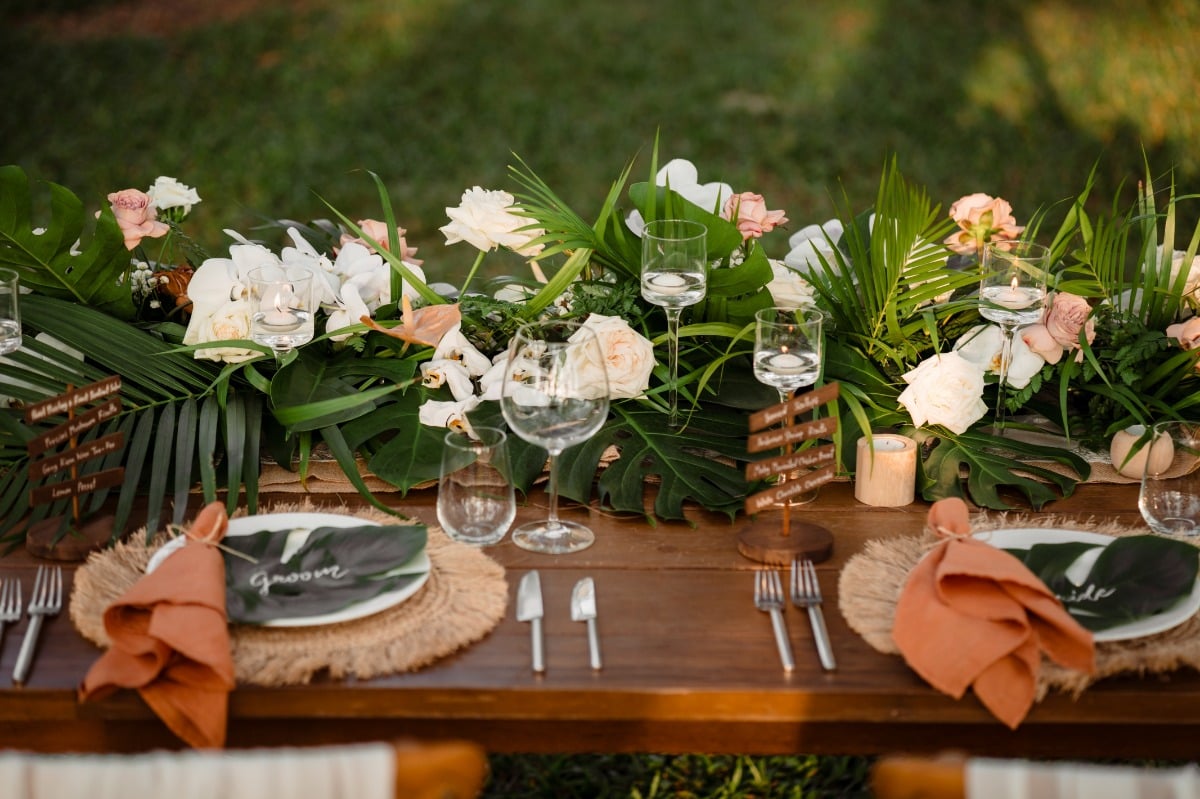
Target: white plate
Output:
[(1024, 538), (301, 524)]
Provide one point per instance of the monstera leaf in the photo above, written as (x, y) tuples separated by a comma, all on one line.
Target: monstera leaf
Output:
[(41, 251)]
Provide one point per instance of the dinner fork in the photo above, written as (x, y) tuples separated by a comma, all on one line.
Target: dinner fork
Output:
[(806, 593), (10, 603), (768, 596), (46, 600)]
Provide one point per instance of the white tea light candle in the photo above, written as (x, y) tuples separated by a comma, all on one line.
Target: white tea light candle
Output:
[(887, 477)]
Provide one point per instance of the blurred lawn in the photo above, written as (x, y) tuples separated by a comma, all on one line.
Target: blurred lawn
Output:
[(263, 104)]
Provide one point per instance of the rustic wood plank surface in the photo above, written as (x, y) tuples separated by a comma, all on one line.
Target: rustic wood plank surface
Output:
[(689, 665)]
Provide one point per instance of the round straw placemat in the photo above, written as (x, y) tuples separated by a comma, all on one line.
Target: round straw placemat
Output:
[(463, 600), (871, 581)]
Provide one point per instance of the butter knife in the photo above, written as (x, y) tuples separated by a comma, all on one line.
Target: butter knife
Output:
[(529, 608), (583, 608)]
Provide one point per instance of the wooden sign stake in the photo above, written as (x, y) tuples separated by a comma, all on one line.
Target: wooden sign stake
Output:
[(811, 468), (57, 538)]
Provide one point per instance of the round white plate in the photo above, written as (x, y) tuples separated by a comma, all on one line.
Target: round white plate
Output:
[(301, 524), (1024, 538)]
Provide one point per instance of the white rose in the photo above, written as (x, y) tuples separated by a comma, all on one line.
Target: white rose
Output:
[(627, 357), (229, 321), (945, 389), (982, 346), (486, 220), (788, 288), (170, 193)]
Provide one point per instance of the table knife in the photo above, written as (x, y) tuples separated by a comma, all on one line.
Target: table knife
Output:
[(583, 608), (529, 608)]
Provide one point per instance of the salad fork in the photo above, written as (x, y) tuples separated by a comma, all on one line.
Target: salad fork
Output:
[(806, 593), (10, 602), (768, 597), (46, 600)]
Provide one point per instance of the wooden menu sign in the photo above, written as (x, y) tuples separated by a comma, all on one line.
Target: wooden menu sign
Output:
[(780, 545), (45, 539)]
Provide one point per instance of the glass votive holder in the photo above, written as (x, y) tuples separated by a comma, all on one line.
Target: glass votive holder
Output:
[(281, 308), (10, 311), (476, 503), (1170, 493)]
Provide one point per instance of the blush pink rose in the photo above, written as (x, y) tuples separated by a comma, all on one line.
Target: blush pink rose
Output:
[(1188, 333), (1067, 315), (1038, 339), (749, 212), (981, 218), (378, 232), (136, 216)]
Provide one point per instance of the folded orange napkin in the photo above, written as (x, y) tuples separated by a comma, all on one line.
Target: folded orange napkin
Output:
[(170, 638), (972, 615)]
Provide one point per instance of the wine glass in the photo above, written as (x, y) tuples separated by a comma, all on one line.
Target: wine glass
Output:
[(1012, 293), (475, 502), (788, 346), (281, 308), (10, 313), (1170, 493), (555, 395), (674, 276)]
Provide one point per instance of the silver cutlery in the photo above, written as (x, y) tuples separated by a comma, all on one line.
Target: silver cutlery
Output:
[(10, 602), (768, 596), (46, 600), (583, 608), (529, 608), (806, 593)]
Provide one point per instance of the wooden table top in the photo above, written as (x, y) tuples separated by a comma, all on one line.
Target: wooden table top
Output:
[(690, 665)]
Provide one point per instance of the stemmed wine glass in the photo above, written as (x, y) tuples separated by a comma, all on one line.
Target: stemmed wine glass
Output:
[(554, 395), (674, 276), (788, 345), (1012, 293)]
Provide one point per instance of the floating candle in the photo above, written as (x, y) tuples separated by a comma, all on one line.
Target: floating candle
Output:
[(786, 362), (668, 283)]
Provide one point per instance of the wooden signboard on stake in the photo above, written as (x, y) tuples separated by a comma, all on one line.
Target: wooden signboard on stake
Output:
[(47, 538), (800, 472)]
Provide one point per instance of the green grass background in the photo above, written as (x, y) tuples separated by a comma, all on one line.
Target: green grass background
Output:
[(266, 106)]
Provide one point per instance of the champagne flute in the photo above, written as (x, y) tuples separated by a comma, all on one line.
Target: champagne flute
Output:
[(674, 276), (1012, 293), (788, 346), (555, 395)]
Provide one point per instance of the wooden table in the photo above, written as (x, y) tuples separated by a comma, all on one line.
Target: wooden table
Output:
[(690, 666)]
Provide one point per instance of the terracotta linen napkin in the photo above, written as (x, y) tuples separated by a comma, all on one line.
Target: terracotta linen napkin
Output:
[(170, 639), (973, 616)]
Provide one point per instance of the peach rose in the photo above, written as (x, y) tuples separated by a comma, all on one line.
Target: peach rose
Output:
[(1188, 333), (1067, 315), (136, 216), (749, 212), (378, 232), (981, 218)]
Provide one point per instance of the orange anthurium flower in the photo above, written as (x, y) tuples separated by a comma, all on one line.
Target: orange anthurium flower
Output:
[(423, 326)]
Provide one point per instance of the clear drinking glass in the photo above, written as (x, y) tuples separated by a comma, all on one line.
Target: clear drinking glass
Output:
[(1012, 293), (788, 347), (554, 395), (674, 276), (1170, 494), (475, 502), (10, 311), (281, 308)]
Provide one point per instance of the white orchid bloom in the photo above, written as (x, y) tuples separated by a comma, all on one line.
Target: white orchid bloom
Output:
[(811, 244), (304, 258), (454, 346), (982, 346), (453, 415), (493, 379), (349, 311), (444, 372), (682, 177)]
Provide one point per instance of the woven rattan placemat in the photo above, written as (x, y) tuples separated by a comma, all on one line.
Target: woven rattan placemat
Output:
[(463, 600), (871, 581)]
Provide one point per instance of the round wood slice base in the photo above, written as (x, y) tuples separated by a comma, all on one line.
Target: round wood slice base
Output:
[(75, 545), (763, 540)]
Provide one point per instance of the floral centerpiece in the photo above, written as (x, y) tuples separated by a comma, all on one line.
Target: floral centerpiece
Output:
[(397, 359)]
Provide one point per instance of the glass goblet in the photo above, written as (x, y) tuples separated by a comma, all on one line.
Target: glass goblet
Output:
[(788, 347), (1012, 293), (554, 395), (674, 276), (281, 308), (475, 502)]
